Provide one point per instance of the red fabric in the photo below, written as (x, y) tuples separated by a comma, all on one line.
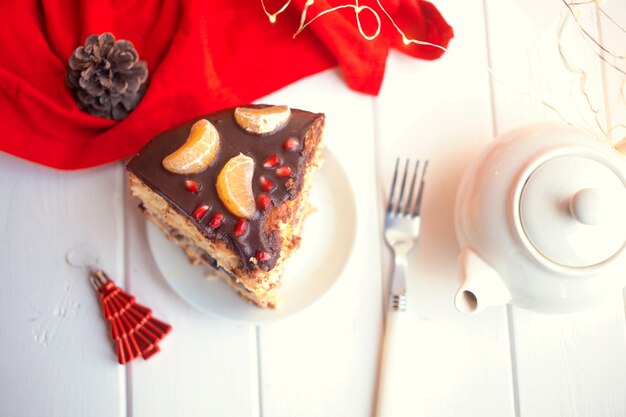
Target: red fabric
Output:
[(202, 55)]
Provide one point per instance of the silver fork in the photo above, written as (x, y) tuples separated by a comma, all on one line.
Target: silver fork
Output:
[(402, 229)]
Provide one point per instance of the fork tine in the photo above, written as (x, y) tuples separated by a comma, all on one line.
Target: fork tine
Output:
[(418, 201), (399, 205), (409, 200), (393, 187)]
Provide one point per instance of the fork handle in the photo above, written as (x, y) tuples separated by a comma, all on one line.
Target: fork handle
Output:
[(397, 289), (393, 381)]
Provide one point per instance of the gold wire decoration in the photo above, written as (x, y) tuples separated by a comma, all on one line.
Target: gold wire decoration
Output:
[(572, 11)]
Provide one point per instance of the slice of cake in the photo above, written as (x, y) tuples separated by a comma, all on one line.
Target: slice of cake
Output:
[(230, 188)]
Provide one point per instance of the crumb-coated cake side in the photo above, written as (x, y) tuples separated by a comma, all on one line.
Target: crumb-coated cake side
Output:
[(231, 189)]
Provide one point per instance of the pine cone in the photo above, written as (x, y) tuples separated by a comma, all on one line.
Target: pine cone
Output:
[(106, 77)]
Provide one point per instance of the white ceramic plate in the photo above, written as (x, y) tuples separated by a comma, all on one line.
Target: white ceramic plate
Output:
[(327, 240)]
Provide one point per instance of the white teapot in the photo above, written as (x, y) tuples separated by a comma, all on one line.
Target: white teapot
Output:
[(541, 218)]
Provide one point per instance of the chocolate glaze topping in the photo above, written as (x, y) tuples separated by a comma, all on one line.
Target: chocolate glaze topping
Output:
[(147, 166)]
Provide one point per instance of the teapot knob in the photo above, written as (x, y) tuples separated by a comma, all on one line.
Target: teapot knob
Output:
[(589, 206)]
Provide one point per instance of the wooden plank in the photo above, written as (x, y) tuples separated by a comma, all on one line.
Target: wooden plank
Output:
[(441, 111), (612, 36), (567, 365), (323, 361), (572, 365), (56, 358), (207, 366)]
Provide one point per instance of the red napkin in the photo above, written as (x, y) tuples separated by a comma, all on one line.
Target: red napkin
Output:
[(202, 55)]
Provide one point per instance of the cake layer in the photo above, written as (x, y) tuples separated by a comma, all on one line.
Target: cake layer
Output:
[(261, 234), (197, 256), (275, 230)]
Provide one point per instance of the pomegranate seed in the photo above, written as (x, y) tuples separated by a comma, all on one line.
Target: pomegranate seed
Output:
[(192, 186), (266, 184), (262, 256), (271, 162), (216, 221), (291, 144), (263, 201), (284, 171), (200, 212), (240, 227)]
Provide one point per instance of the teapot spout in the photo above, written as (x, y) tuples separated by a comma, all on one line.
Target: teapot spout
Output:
[(481, 285)]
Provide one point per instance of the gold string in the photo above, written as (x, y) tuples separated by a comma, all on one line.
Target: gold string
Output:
[(591, 38), (572, 7), (357, 14), (579, 72), (272, 16), (620, 27)]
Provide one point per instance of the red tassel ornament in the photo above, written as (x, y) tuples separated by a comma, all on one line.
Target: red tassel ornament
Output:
[(133, 329)]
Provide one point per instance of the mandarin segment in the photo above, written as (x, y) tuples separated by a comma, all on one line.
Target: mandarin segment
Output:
[(234, 186), (262, 120), (198, 151)]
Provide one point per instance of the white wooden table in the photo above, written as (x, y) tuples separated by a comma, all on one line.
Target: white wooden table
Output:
[(55, 356)]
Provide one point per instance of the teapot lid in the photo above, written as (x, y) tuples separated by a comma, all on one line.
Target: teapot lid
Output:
[(573, 210)]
